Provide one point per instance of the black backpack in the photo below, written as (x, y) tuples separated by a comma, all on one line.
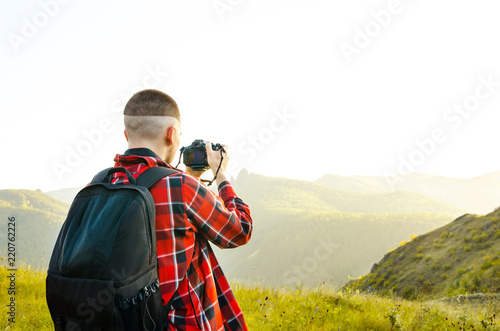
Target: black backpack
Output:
[(103, 270)]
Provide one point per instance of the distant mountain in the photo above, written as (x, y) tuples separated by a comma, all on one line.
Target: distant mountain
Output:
[(38, 218), (478, 195), (314, 247), (283, 193), (493, 176), (66, 194), (306, 233), (459, 258)]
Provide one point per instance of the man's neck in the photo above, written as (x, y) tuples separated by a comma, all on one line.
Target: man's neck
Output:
[(161, 153)]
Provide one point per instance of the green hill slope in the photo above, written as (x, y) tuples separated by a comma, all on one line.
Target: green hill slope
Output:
[(458, 258), (38, 218)]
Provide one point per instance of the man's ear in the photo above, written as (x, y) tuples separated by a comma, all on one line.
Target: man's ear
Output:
[(125, 133), (170, 137)]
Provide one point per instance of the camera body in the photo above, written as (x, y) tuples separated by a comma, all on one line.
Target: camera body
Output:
[(195, 155)]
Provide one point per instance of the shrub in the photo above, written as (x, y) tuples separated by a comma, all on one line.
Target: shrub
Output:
[(438, 243), (479, 238), (485, 266), (476, 283), (467, 248)]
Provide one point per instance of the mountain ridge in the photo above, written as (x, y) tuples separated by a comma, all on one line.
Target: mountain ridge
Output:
[(478, 195)]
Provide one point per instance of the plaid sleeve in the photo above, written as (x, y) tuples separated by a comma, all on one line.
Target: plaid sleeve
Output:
[(223, 220)]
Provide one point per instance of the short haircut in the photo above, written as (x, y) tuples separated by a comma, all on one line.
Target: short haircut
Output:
[(148, 113), (152, 103), (148, 127)]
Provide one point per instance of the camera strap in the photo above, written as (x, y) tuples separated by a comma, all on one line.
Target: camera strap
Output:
[(209, 182), (180, 157)]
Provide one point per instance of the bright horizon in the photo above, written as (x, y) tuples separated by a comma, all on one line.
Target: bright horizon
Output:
[(296, 89)]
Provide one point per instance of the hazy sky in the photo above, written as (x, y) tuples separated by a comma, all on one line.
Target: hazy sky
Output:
[(297, 89)]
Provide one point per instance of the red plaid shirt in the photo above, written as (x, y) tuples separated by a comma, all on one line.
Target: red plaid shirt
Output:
[(188, 216)]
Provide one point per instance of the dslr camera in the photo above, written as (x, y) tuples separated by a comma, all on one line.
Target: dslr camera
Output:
[(195, 155)]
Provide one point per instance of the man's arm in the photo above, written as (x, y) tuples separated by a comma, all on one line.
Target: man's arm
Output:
[(225, 219)]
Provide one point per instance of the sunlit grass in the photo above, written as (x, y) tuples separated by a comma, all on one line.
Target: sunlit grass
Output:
[(323, 309), (31, 308), (271, 309)]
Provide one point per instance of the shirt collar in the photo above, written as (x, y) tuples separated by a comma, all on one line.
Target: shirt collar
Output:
[(141, 152), (140, 155)]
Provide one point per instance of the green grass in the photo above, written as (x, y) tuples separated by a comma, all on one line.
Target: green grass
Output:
[(324, 309), (268, 309), (31, 308)]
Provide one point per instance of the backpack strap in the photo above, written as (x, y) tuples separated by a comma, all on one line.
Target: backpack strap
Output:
[(100, 176), (149, 177), (104, 176)]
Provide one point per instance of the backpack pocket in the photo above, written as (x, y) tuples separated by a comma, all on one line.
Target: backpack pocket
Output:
[(144, 309), (85, 304)]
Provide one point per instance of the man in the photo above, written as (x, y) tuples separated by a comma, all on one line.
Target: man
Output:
[(188, 216)]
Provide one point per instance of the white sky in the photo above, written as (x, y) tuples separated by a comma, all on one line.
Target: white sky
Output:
[(69, 68)]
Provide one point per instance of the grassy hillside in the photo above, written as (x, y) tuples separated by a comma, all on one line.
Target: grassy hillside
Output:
[(479, 195), (38, 218), (458, 258), (32, 200), (268, 309)]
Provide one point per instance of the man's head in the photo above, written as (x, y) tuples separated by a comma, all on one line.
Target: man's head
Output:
[(152, 120)]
